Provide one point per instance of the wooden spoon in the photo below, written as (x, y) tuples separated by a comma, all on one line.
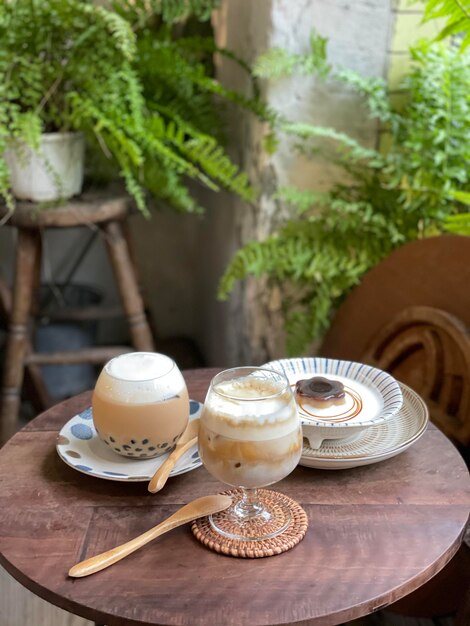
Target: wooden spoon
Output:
[(197, 508), (186, 441)]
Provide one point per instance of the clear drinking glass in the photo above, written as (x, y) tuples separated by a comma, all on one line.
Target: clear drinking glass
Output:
[(140, 404), (249, 437)]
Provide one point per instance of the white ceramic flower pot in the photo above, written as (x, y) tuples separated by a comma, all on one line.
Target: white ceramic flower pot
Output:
[(55, 171)]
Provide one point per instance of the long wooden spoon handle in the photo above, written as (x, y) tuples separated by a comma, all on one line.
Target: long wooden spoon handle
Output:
[(100, 561), (160, 477), (198, 508)]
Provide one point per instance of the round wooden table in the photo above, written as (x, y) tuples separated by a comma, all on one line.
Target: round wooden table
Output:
[(375, 534)]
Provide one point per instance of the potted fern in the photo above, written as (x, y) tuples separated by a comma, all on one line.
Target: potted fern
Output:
[(50, 168), (122, 76)]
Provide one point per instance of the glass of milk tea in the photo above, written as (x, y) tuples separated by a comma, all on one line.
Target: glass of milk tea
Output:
[(140, 404), (249, 437)]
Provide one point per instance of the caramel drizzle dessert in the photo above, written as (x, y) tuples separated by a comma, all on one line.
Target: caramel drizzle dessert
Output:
[(324, 393)]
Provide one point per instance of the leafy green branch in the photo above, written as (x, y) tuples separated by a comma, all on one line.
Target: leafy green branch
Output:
[(415, 188), (456, 14)]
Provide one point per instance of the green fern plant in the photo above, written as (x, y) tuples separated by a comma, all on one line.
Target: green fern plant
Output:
[(456, 14), (128, 77), (406, 193)]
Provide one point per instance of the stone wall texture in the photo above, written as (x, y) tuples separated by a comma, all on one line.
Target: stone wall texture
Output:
[(359, 35)]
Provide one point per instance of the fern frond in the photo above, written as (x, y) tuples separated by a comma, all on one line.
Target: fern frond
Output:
[(213, 160), (310, 254), (27, 127), (350, 146), (178, 10), (121, 32), (459, 224), (457, 16), (278, 62), (374, 90), (302, 199), (461, 196), (171, 11), (208, 45), (166, 184), (119, 29)]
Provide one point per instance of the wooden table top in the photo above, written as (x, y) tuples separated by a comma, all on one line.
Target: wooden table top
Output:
[(375, 534)]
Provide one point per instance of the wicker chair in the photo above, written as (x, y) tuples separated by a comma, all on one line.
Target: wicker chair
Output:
[(410, 316)]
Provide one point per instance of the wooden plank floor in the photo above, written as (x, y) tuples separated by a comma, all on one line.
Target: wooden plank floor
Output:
[(20, 607)]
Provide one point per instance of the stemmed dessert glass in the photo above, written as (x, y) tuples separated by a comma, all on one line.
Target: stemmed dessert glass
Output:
[(249, 437)]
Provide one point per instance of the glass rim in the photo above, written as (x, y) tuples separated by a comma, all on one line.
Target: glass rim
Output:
[(251, 368), (171, 364)]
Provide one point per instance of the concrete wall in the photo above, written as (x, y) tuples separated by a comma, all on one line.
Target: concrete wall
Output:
[(359, 35)]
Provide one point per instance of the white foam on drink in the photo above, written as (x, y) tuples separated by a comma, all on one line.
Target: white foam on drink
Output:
[(139, 366), (141, 378), (250, 409)]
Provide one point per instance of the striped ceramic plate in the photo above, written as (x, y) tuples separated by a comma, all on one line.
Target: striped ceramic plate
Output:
[(372, 395), (375, 444)]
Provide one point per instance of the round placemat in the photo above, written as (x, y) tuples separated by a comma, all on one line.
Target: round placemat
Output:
[(295, 531)]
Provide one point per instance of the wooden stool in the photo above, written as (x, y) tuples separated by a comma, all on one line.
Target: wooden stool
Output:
[(34, 386), (97, 211)]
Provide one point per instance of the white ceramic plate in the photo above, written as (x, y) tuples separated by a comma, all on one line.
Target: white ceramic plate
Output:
[(79, 446), (377, 443), (372, 396)]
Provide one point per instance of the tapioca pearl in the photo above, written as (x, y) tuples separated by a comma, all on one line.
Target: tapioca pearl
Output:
[(138, 449), (133, 442), (152, 448), (126, 447), (112, 439), (171, 448), (143, 455), (238, 464), (145, 441), (118, 449), (106, 442), (177, 437)]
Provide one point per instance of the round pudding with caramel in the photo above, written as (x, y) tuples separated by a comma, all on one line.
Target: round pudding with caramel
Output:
[(321, 392), (250, 433)]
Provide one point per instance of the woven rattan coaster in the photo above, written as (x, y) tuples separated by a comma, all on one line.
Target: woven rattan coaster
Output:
[(282, 505)]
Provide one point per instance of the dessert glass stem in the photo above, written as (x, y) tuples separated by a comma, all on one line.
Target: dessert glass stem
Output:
[(249, 506), (254, 517)]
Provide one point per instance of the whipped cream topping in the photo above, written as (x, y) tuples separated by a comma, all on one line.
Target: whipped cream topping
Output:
[(250, 409)]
